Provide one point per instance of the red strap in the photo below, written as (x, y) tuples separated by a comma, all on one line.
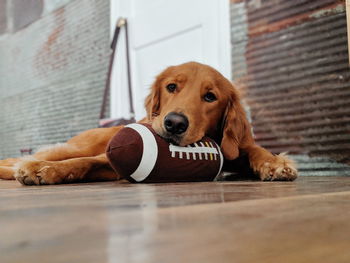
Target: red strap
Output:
[(120, 23)]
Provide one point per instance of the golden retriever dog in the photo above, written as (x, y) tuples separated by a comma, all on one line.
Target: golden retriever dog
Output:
[(186, 102)]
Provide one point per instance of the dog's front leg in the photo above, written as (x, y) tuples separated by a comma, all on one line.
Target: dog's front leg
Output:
[(271, 167), (36, 172)]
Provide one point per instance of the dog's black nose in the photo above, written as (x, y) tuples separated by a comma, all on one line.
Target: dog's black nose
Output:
[(175, 123)]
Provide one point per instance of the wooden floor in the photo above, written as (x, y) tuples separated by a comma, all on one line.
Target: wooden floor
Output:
[(243, 221)]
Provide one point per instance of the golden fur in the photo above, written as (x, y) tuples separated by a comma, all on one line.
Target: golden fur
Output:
[(83, 158)]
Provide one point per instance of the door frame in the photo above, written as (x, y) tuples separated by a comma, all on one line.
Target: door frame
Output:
[(122, 8)]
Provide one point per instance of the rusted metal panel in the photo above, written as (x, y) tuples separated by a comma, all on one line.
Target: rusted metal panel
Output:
[(348, 22), (297, 79)]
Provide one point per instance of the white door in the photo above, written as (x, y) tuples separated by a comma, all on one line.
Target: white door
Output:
[(164, 33)]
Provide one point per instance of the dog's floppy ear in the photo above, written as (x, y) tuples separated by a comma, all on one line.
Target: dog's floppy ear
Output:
[(236, 128), (152, 102)]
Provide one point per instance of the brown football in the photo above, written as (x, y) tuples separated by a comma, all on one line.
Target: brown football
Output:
[(138, 154)]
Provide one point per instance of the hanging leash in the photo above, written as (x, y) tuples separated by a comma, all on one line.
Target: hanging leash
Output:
[(122, 22)]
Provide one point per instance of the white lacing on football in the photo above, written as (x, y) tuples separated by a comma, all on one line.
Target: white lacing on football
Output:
[(206, 151)]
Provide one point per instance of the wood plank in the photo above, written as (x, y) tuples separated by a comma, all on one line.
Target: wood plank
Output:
[(245, 221)]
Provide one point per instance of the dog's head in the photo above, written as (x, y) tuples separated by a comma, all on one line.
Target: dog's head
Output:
[(192, 100)]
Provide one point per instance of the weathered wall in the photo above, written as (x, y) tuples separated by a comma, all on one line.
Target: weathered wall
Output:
[(291, 58), (54, 57)]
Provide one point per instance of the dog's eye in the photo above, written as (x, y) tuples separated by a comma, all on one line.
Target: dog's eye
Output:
[(210, 97), (171, 87)]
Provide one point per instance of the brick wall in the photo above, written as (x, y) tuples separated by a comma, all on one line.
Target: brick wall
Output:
[(53, 67)]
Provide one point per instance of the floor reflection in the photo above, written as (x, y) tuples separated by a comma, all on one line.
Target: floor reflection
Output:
[(130, 231)]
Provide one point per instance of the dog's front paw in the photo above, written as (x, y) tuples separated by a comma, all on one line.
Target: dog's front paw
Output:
[(37, 173), (276, 168)]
